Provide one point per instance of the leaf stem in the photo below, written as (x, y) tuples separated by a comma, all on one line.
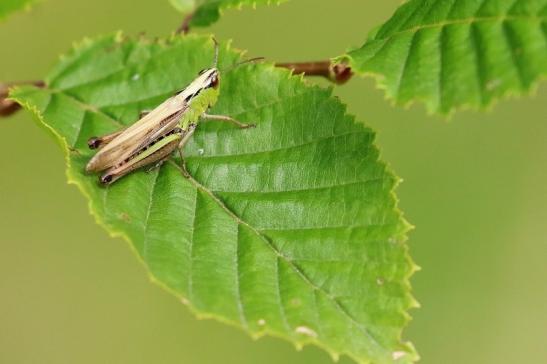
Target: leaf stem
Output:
[(184, 27), (338, 73), (7, 106)]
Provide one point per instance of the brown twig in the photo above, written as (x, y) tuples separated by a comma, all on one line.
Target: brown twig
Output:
[(7, 106), (184, 27), (338, 73)]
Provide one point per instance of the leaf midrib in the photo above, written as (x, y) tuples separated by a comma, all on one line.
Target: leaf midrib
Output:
[(280, 255)]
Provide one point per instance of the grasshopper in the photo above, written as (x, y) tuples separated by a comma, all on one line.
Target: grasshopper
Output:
[(158, 133)]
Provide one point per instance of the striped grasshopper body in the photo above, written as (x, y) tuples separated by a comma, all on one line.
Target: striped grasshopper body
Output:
[(153, 138)]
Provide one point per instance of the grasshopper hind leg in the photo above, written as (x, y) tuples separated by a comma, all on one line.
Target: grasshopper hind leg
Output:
[(153, 155)]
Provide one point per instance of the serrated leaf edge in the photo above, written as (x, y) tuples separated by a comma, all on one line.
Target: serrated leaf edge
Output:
[(115, 233), (380, 79)]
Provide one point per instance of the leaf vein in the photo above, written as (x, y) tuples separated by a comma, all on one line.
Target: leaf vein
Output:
[(293, 266), (264, 193), (332, 227), (191, 245), (479, 62), (282, 149), (512, 54), (280, 297), (477, 19), (404, 68), (240, 307), (147, 217)]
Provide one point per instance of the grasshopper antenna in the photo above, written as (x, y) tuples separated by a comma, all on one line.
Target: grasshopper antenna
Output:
[(215, 62), (256, 59)]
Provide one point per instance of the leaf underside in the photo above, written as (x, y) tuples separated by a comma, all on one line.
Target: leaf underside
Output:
[(207, 12), (457, 53), (9, 6), (289, 229)]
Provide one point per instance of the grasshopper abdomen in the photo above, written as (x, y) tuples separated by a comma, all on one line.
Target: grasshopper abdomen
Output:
[(155, 153)]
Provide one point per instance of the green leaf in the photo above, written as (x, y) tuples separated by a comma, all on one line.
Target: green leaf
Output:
[(9, 6), (206, 12), (457, 53), (184, 6), (289, 229)]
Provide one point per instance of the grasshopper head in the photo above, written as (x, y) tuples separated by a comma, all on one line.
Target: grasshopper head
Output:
[(209, 77)]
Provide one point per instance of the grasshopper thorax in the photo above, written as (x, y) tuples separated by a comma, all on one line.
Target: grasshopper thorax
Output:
[(207, 78)]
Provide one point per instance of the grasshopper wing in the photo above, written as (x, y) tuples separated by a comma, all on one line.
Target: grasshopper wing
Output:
[(159, 121)]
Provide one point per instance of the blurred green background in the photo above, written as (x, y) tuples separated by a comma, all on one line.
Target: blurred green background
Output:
[(475, 187)]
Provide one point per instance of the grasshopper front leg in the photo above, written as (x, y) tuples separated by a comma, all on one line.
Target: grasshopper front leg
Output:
[(192, 127)]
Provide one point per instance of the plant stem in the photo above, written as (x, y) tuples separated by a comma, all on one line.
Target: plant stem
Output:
[(338, 73), (184, 28), (7, 106)]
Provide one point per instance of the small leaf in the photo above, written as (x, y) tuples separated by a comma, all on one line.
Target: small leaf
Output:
[(457, 53), (184, 6), (206, 12), (9, 6), (288, 229)]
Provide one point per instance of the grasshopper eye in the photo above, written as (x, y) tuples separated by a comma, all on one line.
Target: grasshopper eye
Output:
[(215, 82)]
